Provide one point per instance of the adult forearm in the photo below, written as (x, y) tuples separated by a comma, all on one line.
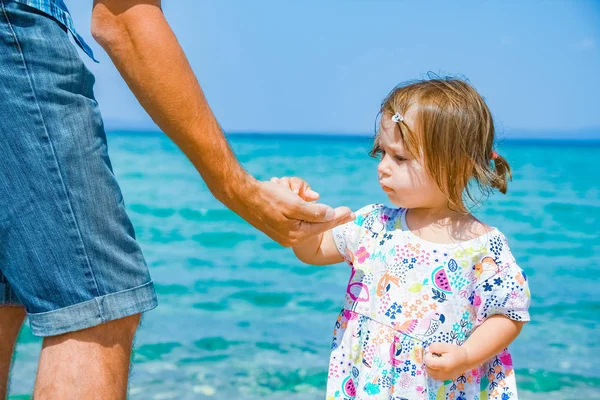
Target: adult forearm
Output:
[(138, 39), (144, 49)]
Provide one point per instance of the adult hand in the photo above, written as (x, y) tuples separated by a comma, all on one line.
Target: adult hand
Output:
[(143, 47), (298, 186), (288, 217)]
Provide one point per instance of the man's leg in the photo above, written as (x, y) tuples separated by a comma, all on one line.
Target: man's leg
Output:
[(89, 364), (67, 246), (11, 319)]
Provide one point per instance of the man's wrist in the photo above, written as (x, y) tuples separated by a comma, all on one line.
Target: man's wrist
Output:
[(238, 192)]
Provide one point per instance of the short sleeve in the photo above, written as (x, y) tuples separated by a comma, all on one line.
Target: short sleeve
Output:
[(347, 236), (501, 290)]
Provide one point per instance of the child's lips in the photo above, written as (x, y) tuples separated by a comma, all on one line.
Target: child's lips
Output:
[(386, 189)]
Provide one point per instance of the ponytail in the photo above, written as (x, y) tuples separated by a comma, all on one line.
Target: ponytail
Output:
[(502, 173)]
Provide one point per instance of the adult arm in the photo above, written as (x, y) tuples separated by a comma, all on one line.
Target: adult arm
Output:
[(144, 49)]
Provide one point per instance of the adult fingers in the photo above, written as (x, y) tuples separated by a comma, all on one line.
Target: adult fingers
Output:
[(312, 212), (342, 215)]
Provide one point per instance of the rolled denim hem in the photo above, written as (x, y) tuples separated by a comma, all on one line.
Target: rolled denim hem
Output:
[(94, 312)]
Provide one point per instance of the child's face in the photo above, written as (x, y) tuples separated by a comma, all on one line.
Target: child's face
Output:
[(402, 175)]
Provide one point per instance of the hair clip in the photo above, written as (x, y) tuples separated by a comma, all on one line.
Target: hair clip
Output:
[(494, 155), (397, 117)]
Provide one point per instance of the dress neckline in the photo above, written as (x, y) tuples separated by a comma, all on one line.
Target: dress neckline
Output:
[(465, 243)]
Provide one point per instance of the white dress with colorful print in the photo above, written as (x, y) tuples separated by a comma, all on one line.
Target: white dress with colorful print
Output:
[(405, 293)]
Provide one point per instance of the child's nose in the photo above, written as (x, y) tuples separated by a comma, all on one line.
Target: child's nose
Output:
[(382, 168)]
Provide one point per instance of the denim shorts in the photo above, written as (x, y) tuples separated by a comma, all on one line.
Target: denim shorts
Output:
[(67, 247)]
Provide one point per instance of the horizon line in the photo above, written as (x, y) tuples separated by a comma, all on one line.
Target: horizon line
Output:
[(591, 134)]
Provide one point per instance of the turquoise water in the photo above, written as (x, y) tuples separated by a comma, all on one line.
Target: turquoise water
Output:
[(241, 318)]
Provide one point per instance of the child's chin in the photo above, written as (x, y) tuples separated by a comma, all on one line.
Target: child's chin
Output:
[(395, 201)]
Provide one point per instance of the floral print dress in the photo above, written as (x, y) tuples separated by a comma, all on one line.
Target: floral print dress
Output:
[(405, 293)]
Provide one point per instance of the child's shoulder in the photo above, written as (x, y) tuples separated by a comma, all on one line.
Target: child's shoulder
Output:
[(498, 254), (480, 241), (475, 232)]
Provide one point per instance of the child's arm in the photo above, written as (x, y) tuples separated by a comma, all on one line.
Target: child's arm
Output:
[(318, 250), (446, 361)]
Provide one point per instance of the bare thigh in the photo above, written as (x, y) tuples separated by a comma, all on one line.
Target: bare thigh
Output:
[(89, 364), (11, 320)]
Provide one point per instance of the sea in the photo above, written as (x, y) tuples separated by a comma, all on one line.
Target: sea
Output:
[(241, 318)]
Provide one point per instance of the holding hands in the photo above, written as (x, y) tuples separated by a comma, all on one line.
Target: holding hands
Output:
[(285, 212)]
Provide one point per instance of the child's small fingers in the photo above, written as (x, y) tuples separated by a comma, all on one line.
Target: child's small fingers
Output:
[(307, 198), (300, 186), (427, 358), (297, 185), (438, 375), (285, 181), (308, 194), (433, 362), (440, 348), (274, 179), (432, 373)]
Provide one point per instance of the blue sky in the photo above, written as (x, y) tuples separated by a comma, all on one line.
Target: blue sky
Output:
[(324, 66)]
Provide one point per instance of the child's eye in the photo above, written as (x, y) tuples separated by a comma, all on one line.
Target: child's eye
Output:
[(400, 158), (378, 152)]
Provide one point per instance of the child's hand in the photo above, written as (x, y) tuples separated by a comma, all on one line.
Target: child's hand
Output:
[(446, 361), (298, 186)]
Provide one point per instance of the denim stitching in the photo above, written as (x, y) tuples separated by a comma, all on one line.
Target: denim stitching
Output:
[(60, 175)]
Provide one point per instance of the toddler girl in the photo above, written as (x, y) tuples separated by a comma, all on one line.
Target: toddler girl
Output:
[(435, 296)]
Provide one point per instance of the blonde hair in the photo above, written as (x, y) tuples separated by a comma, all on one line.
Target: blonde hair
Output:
[(455, 136)]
